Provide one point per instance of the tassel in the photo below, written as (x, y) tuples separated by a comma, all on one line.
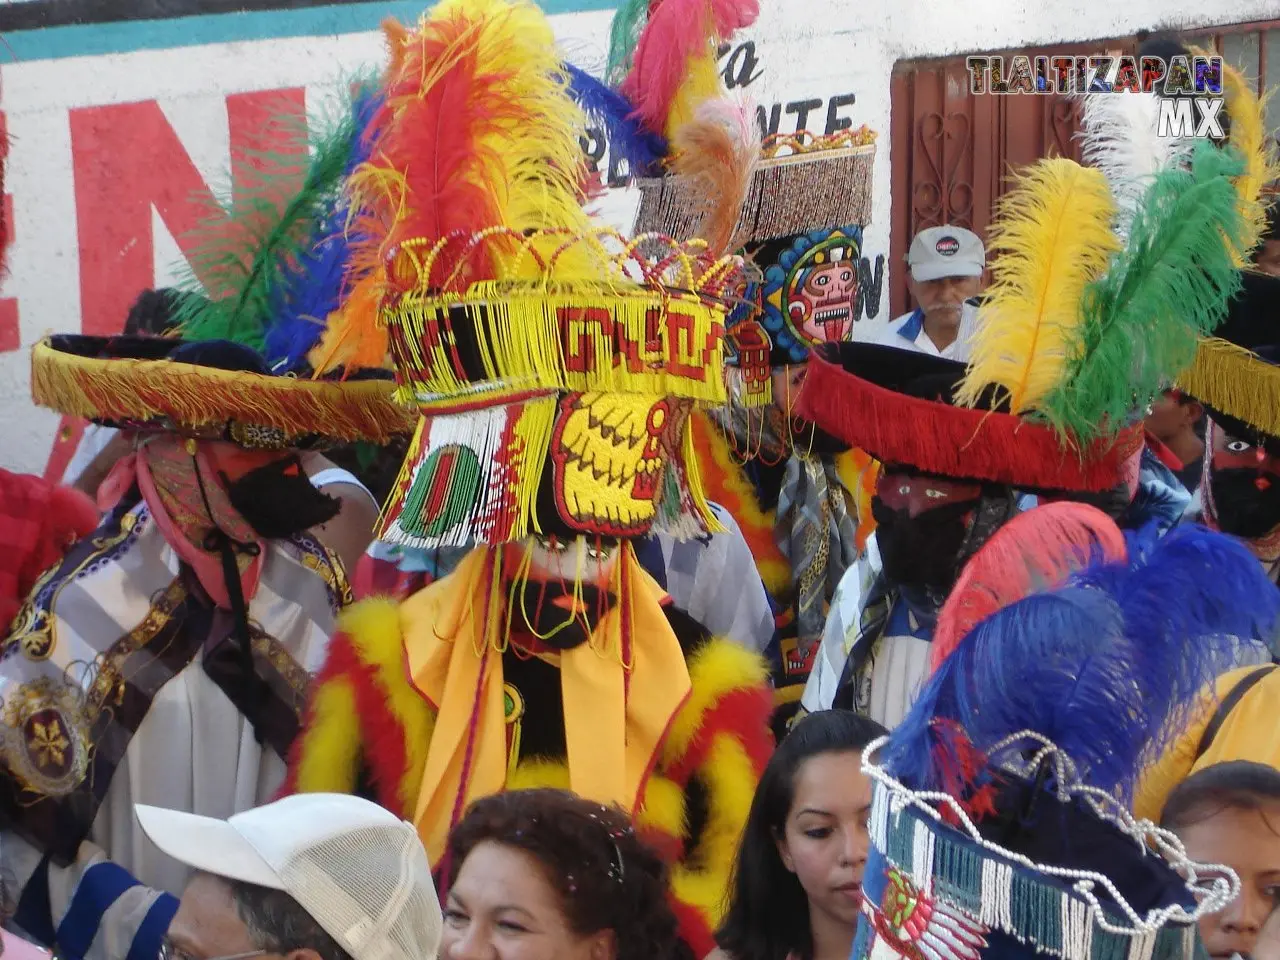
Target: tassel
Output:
[(1237, 382)]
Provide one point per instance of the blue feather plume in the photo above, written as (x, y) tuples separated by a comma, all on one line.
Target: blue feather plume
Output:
[(1105, 666), (317, 283), (628, 138)]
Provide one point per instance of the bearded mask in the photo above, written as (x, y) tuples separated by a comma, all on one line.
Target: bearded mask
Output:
[(928, 527), (1242, 489), (560, 589)]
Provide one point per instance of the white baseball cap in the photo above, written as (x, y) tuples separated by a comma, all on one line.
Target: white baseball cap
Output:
[(946, 251), (357, 869)]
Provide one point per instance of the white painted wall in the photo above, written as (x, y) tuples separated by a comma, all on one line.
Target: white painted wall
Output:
[(807, 49)]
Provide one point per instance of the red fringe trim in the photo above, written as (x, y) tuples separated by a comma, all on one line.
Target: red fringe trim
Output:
[(938, 438)]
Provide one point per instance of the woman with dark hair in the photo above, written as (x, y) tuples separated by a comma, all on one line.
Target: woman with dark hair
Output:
[(546, 875), (797, 884), (1229, 814)]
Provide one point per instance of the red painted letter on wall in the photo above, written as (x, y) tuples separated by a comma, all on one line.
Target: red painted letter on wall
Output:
[(127, 160)]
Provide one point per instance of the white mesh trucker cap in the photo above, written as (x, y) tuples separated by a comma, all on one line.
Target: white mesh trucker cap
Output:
[(358, 870)]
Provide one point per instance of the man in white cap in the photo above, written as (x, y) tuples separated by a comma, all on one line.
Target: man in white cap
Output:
[(315, 876), (946, 275)]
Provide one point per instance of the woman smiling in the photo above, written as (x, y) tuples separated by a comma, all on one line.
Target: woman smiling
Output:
[(545, 875)]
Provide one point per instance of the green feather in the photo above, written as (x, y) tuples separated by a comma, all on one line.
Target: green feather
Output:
[(624, 33), (1167, 288), (240, 254)]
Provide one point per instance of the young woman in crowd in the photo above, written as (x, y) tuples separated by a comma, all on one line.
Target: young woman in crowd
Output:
[(545, 875), (797, 885), (1229, 814)]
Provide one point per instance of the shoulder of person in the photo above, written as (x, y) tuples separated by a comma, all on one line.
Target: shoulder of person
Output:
[(874, 331)]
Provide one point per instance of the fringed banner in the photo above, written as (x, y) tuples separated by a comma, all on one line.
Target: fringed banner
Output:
[(788, 195), (1236, 382), (631, 340), (471, 477), (806, 191), (619, 466), (250, 408), (953, 441)]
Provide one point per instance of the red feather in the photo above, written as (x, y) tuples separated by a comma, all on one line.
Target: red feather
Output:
[(1037, 550), (443, 136), (677, 31)]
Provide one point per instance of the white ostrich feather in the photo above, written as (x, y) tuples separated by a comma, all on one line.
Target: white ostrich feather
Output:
[(1119, 137)]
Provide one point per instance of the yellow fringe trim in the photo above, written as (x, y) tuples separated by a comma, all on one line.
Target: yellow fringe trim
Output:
[(575, 341), (195, 398), (1237, 382)]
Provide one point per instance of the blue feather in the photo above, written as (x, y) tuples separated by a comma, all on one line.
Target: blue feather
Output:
[(628, 138), (1104, 666), (317, 284)]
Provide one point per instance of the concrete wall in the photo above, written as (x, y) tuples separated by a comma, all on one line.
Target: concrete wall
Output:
[(115, 126)]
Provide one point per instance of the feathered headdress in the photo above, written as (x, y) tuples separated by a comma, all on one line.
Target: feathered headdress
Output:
[(999, 820), (1075, 336), (1035, 551), (1104, 666), (522, 333)]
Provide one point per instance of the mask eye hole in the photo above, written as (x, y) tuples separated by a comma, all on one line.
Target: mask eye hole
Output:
[(598, 553), (935, 494), (1238, 446)]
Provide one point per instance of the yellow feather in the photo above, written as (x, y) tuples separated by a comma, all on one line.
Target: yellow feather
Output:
[(543, 160), (1249, 136), (1053, 236), (701, 83), (328, 759)]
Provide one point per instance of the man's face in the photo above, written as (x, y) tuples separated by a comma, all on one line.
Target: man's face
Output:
[(207, 923), (1171, 417), (1244, 482), (1267, 259), (943, 299)]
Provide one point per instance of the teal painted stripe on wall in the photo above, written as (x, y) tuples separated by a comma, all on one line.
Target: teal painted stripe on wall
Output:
[(97, 39)]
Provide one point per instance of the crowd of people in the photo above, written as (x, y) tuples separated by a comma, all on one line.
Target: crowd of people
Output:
[(442, 573)]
